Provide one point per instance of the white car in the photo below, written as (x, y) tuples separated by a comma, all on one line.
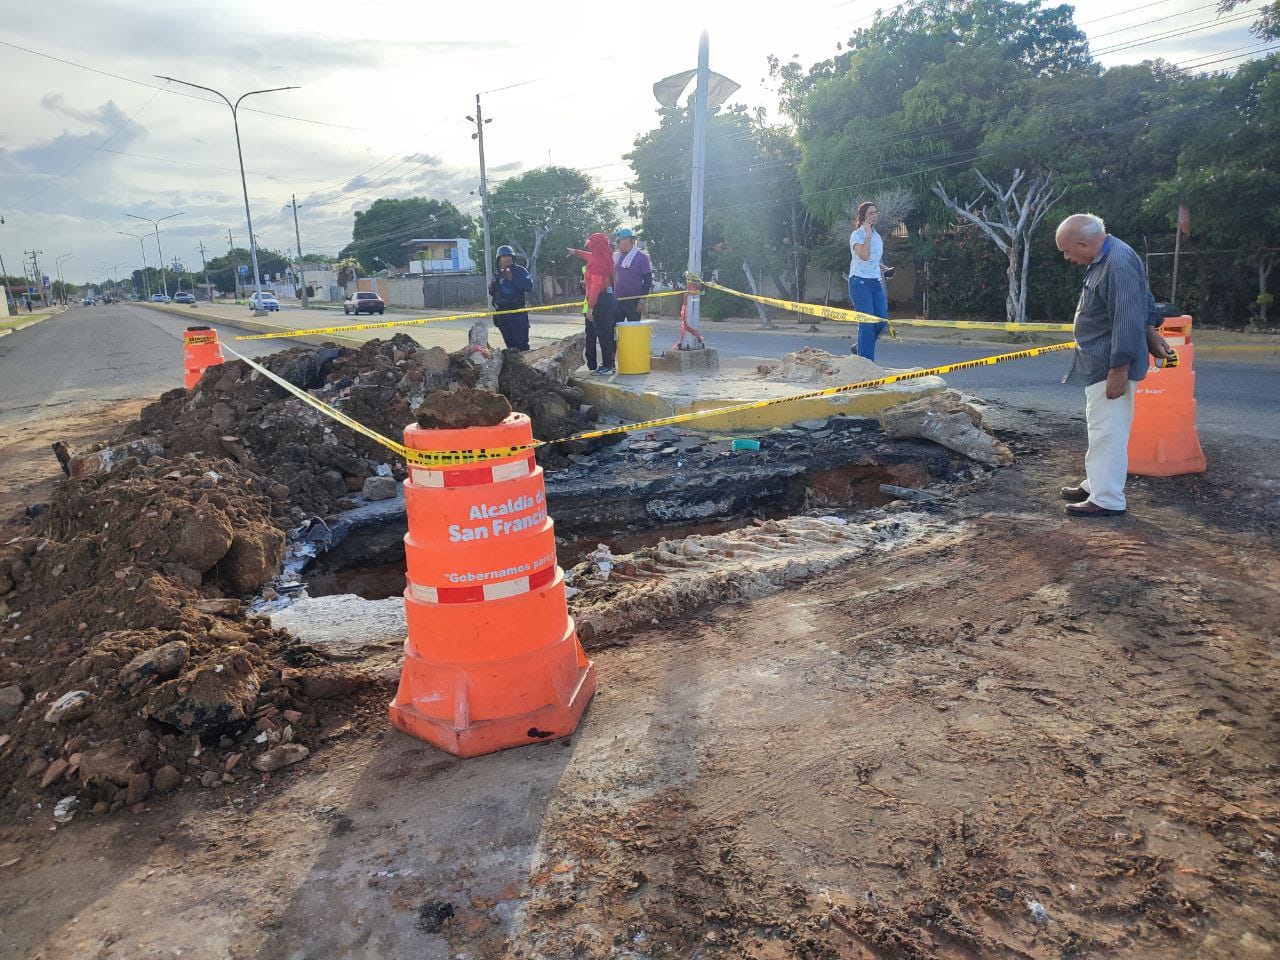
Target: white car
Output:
[(263, 301)]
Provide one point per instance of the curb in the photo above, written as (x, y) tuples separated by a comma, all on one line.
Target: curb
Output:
[(639, 405), (252, 326), (47, 316)]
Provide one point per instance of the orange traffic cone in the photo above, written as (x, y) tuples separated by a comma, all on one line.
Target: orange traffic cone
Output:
[(1163, 441), (492, 659), (200, 350)]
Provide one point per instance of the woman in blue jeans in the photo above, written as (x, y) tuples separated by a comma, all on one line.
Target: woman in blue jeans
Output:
[(866, 288)]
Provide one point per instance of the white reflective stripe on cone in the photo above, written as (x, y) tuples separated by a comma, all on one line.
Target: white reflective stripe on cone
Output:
[(439, 479), (512, 471), (496, 591), (427, 478), (428, 594)]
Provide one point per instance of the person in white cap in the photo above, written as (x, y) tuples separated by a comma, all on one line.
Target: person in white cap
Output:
[(633, 275)]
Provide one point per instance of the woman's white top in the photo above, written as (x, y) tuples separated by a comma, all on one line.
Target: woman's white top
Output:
[(867, 269)]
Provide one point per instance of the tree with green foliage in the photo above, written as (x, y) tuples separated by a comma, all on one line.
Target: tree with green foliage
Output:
[(549, 208), (383, 229), (936, 89), (752, 214), (1228, 174)]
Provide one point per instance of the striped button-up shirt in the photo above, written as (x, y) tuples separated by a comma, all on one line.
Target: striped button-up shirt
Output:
[(1111, 318)]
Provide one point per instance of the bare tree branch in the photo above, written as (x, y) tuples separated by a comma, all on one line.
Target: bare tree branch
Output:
[(1008, 219)]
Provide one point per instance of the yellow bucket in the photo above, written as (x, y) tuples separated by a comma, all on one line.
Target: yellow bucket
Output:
[(633, 347)]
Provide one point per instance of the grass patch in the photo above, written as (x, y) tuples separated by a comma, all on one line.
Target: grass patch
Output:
[(18, 322)]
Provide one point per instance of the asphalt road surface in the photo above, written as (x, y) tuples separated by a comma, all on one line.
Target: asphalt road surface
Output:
[(118, 352), (97, 355)]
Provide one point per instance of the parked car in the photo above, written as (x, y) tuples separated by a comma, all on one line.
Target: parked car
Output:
[(362, 302), (160, 298), (263, 301), (182, 296)]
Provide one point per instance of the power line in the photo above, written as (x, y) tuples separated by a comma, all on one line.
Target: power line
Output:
[(81, 162), (165, 89)]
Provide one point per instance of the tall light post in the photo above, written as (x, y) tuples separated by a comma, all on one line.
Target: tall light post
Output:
[(146, 281), (61, 282), (710, 90), (156, 223), (244, 186)]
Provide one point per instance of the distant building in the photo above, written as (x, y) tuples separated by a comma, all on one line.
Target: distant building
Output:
[(443, 256)]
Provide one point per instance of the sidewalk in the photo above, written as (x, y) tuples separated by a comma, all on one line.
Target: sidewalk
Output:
[(1206, 340)]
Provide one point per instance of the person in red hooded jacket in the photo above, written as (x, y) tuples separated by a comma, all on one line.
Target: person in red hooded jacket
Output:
[(601, 304)]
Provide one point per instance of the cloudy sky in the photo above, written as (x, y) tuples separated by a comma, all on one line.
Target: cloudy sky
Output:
[(90, 135)]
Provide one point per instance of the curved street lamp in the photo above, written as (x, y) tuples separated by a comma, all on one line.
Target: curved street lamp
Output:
[(61, 282), (156, 224), (234, 107), (146, 282)]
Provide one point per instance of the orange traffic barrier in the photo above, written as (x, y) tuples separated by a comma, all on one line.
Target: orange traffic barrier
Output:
[(1163, 441), (492, 659), (200, 350)]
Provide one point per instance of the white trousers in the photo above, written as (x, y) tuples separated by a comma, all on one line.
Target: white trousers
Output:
[(1106, 463)]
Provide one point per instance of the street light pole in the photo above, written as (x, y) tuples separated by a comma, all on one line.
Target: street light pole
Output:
[(156, 223), (146, 281), (710, 90), (244, 186), (61, 282)]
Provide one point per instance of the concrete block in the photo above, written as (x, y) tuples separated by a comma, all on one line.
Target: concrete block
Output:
[(687, 361)]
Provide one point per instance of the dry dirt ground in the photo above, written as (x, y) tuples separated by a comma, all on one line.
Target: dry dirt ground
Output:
[(1021, 737)]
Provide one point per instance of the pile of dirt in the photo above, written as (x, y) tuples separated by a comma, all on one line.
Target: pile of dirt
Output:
[(314, 464), (811, 365), (129, 665), (127, 662)]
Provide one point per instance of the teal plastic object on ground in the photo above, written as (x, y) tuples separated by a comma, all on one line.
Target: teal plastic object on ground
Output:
[(745, 445)]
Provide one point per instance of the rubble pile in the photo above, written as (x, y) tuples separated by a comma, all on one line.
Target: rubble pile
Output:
[(129, 665), (815, 366), (317, 466), (128, 662)]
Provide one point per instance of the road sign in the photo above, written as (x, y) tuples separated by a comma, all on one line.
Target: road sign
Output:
[(244, 271)]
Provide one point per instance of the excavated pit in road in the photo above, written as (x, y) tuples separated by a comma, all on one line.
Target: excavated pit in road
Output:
[(658, 485)]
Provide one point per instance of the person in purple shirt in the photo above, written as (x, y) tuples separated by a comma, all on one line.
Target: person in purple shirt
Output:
[(633, 275)]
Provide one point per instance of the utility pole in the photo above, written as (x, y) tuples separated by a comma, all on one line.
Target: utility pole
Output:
[(235, 267), (4, 285), (177, 275), (478, 136), (300, 274), (205, 266), (35, 265)]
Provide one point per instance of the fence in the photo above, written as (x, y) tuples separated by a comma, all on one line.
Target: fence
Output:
[(431, 292)]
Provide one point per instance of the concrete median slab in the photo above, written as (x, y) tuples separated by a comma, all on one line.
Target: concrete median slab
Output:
[(662, 394)]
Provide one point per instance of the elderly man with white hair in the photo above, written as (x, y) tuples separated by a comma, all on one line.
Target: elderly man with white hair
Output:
[(1112, 346)]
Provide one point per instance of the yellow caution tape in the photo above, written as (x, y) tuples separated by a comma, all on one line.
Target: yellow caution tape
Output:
[(450, 458), (827, 392), (421, 458), (422, 321), (853, 316)]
